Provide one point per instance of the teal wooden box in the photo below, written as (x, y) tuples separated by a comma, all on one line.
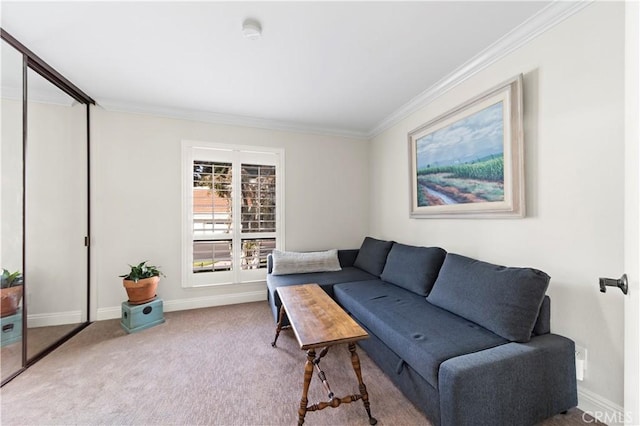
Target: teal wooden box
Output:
[(11, 327), (140, 317)]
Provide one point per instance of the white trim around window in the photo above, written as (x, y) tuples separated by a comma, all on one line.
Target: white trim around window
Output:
[(215, 235)]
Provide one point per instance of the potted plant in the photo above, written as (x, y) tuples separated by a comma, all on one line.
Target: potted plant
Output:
[(10, 292), (141, 283)]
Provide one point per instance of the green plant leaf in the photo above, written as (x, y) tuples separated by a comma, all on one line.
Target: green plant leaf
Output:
[(142, 271), (8, 279)]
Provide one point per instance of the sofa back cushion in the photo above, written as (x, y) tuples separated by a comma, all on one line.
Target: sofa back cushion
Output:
[(503, 300), (413, 268), (373, 255), (290, 262)]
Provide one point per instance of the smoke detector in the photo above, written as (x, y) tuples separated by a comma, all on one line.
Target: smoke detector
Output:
[(251, 29)]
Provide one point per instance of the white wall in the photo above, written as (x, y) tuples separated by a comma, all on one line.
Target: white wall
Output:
[(574, 144), (11, 190), (10, 159), (136, 200)]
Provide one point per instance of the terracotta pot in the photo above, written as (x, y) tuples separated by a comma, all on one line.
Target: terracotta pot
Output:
[(142, 291), (10, 300)]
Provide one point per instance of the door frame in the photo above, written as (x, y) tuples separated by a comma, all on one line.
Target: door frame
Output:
[(632, 215)]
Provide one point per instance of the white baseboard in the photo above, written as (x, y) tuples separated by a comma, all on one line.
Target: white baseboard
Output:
[(209, 301), (55, 318), (113, 312), (600, 408)]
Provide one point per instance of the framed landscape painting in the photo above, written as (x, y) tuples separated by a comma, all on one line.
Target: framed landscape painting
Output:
[(468, 162)]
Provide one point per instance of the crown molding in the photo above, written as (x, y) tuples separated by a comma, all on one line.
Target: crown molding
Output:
[(539, 23), (226, 119)]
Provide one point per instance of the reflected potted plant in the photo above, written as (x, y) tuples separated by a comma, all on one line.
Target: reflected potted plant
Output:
[(141, 283), (11, 285)]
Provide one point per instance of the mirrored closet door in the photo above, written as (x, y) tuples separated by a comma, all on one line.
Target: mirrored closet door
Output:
[(56, 214), (44, 206)]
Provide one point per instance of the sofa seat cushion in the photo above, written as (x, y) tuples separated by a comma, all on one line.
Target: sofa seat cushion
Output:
[(326, 280), (422, 334), (413, 268), (504, 300), (345, 275)]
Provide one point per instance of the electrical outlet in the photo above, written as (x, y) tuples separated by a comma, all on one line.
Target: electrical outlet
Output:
[(581, 362), (581, 354)]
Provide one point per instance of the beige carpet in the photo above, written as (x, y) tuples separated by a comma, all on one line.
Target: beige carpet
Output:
[(40, 338), (205, 366)]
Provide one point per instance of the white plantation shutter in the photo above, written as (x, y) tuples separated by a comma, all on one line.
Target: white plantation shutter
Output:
[(212, 216), (231, 213), (212, 197), (258, 220)]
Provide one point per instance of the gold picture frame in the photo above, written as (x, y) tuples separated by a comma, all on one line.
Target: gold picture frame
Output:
[(469, 162)]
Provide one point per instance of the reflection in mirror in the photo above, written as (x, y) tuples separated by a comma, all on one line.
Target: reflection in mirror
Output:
[(56, 214), (11, 210)]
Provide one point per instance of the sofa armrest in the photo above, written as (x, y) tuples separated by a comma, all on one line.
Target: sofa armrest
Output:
[(269, 263), (347, 257), (515, 383), (543, 322)]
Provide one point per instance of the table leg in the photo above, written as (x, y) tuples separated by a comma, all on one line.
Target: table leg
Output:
[(279, 326), (321, 375), (308, 373), (355, 362)]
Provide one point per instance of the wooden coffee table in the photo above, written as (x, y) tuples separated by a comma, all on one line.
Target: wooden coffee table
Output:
[(318, 321)]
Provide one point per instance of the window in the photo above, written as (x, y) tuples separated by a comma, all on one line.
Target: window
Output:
[(231, 212)]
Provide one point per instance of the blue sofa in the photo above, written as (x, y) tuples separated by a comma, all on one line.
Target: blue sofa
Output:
[(468, 342)]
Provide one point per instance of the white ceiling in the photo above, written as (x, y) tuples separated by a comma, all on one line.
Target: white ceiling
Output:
[(343, 67)]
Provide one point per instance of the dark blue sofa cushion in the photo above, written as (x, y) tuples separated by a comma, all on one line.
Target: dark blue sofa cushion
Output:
[(322, 278), (413, 268), (420, 333), (326, 280), (373, 255), (503, 300)]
